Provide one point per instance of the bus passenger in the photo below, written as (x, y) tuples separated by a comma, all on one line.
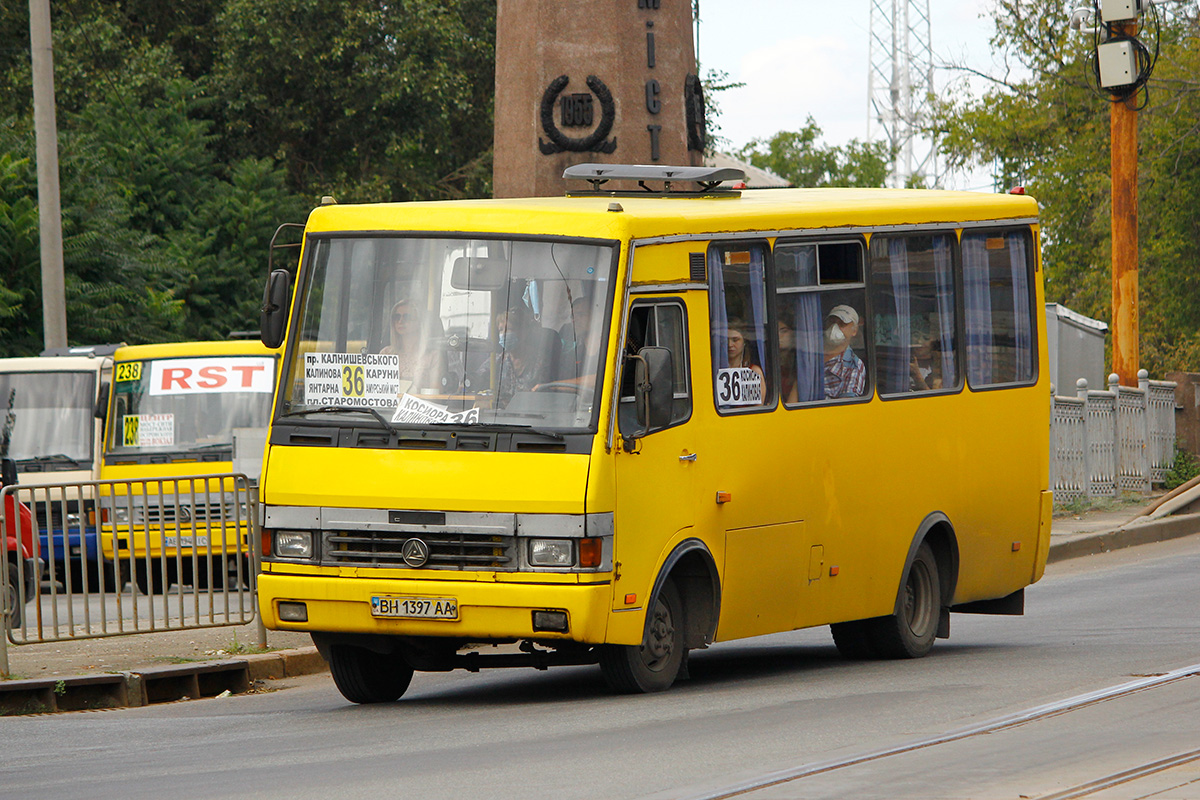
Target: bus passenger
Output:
[(925, 369), (845, 373), (415, 341), (787, 362), (736, 338)]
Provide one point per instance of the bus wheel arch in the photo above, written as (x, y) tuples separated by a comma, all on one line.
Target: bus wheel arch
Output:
[(681, 614), (923, 598), (937, 530), (694, 571)]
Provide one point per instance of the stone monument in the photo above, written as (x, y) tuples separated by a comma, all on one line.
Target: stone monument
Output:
[(577, 81)]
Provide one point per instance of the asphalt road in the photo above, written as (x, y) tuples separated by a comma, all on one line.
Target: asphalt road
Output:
[(769, 705)]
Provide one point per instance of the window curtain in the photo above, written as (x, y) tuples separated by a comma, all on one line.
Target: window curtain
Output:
[(978, 298), (899, 354), (1018, 265), (716, 297), (758, 302), (806, 323), (758, 305), (944, 276)]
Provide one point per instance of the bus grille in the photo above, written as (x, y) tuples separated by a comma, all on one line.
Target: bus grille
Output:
[(447, 549), (169, 513)]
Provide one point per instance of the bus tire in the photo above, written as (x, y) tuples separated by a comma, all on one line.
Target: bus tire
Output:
[(653, 665), (364, 676), (909, 633), (853, 639), (12, 598)]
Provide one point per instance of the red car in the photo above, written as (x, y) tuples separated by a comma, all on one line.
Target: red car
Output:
[(20, 539)]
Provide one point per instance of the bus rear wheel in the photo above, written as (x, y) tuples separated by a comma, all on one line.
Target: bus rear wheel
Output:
[(364, 676), (910, 632), (653, 665)]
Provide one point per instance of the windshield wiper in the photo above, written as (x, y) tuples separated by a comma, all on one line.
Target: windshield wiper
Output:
[(511, 426), (56, 458), (345, 410), (213, 446)]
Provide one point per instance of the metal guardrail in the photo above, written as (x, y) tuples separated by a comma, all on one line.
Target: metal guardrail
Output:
[(135, 556), (1104, 442)]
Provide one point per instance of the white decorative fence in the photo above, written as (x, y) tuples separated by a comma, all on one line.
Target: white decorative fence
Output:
[(1104, 442)]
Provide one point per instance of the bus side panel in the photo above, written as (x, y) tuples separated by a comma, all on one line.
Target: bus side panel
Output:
[(999, 521)]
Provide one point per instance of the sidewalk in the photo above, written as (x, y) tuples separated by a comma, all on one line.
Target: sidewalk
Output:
[(160, 667)]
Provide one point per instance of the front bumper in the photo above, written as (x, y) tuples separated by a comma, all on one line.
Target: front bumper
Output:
[(486, 610)]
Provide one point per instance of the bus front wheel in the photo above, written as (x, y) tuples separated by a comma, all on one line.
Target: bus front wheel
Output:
[(653, 665), (364, 676)]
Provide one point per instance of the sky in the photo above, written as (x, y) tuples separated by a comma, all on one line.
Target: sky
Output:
[(810, 57)]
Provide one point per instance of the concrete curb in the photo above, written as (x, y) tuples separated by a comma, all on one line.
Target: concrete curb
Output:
[(151, 685), (1139, 531)]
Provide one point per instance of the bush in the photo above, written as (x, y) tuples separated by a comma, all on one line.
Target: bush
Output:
[(1183, 469)]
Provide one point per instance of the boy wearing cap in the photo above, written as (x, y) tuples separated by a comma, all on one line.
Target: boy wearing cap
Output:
[(845, 373)]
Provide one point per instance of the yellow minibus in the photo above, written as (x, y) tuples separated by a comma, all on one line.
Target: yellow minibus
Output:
[(173, 414), (616, 426)]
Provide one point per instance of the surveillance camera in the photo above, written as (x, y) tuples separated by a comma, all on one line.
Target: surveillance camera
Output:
[(1078, 17)]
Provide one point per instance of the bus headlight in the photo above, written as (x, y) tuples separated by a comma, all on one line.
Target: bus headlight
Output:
[(121, 515), (293, 544), (551, 553)]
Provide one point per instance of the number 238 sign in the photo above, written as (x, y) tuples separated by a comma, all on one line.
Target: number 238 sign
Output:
[(739, 386)]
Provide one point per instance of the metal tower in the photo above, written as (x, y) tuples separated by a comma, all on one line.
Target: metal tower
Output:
[(899, 83)]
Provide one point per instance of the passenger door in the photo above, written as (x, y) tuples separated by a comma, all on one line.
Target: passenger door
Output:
[(654, 474)]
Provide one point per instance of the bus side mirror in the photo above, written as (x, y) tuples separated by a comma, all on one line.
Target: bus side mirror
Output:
[(273, 322), (101, 409), (653, 389), (8, 472)]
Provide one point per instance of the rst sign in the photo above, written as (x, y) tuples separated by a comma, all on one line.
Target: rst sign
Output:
[(212, 375)]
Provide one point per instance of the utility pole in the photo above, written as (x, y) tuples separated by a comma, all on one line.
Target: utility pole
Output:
[(899, 84), (1122, 65), (1124, 164), (54, 304)]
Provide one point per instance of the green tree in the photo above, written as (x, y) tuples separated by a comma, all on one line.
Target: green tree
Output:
[(364, 100), (113, 275), (801, 159), (1048, 129)]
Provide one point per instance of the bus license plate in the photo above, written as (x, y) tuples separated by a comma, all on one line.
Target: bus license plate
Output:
[(185, 541), (415, 607)]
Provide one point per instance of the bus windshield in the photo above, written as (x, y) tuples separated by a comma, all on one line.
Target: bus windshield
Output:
[(430, 331), (188, 404), (47, 419)]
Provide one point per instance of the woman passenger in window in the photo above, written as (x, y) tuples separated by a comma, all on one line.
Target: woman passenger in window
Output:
[(845, 373), (736, 339)]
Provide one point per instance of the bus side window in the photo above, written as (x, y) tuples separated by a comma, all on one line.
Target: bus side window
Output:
[(741, 353), (822, 321), (660, 324), (998, 297), (914, 307)]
